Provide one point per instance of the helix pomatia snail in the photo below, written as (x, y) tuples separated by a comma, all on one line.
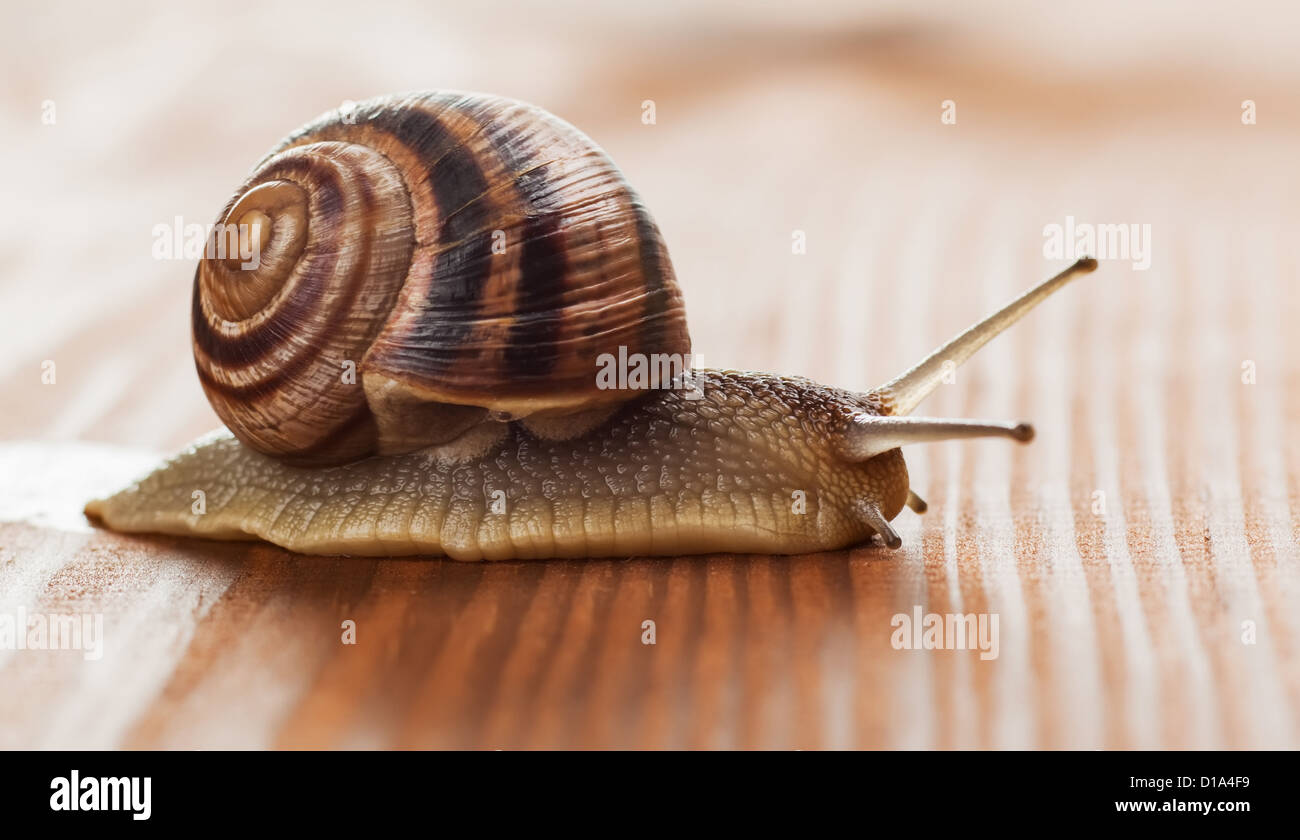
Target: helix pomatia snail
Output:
[(474, 425)]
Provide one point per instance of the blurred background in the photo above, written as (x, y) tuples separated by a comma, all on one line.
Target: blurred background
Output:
[(1122, 625)]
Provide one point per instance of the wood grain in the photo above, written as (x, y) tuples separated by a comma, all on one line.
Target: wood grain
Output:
[(1121, 615)]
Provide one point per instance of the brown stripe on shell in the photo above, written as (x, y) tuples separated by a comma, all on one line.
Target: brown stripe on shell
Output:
[(260, 334), (356, 432), (551, 171), (531, 351), (457, 342), (663, 323), (275, 378), (412, 153), (433, 330), (452, 326)]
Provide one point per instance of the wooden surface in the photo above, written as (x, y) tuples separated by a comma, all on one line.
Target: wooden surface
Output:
[(1119, 627)]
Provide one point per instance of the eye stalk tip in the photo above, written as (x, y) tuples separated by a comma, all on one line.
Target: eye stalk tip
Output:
[(1023, 432)]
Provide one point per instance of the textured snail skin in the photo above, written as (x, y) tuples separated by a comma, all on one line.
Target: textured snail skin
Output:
[(665, 475)]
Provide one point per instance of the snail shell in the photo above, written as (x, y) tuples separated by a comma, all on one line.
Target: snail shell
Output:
[(464, 256)]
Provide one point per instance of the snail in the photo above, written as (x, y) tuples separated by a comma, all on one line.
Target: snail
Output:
[(413, 366)]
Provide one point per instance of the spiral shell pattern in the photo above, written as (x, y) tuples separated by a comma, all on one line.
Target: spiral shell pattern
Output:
[(465, 249)]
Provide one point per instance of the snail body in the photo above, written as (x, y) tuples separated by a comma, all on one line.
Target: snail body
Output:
[(665, 475), (470, 260)]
